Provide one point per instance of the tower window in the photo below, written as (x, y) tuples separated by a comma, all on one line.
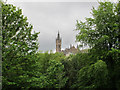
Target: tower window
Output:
[(59, 46)]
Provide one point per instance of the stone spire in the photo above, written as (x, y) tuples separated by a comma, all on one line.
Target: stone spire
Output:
[(58, 37), (58, 43)]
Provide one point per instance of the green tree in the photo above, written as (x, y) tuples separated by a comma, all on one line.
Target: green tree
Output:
[(102, 33), (56, 74), (18, 48), (101, 30), (50, 72), (92, 76), (73, 64)]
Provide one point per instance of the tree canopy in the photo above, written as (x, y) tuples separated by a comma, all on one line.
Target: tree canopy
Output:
[(18, 47), (102, 34), (102, 30), (25, 68)]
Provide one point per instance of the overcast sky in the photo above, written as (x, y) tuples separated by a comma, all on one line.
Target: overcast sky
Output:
[(49, 17)]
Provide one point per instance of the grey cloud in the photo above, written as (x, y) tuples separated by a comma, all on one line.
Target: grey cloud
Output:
[(47, 18)]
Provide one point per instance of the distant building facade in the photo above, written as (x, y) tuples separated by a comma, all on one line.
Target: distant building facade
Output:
[(67, 51), (58, 43), (71, 50)]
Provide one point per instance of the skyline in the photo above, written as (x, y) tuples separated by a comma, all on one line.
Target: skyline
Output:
[(49, 17)]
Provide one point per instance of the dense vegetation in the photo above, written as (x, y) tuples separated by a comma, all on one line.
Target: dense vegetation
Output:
[(25, 68)]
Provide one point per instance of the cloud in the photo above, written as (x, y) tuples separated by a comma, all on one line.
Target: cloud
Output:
[(47, 18)]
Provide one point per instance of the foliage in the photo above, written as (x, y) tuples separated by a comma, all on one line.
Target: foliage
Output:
[(56, 74), (50, 72), (73, 64), (18, 47), (24, 68), (102, 34), (92, 76), (101, 31)]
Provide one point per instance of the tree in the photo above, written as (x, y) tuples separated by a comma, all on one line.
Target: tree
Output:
[(18, 48), (50, 73), (102, 33), (56, 75), (118, 20), (73, 64), (92, 76), (101, 30)]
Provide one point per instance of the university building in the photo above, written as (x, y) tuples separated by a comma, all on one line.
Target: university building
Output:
[(67, 51)]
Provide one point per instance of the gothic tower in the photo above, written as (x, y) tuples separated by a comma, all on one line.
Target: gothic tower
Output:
[(58, 43)]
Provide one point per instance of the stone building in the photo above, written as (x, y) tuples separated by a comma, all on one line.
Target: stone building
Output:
[(58, 43), (67, 51), (71, 50)]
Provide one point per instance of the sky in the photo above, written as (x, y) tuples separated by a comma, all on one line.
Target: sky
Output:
[(50, 17)]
